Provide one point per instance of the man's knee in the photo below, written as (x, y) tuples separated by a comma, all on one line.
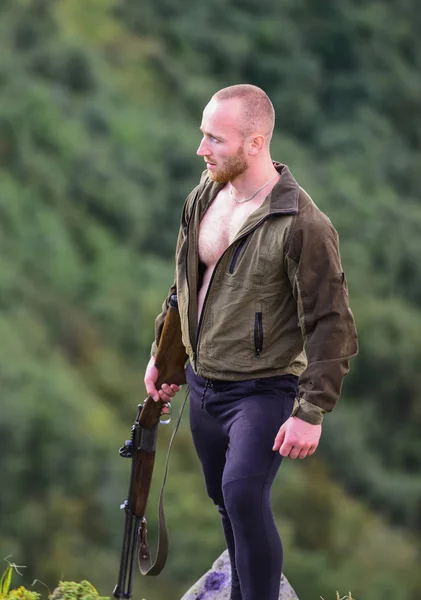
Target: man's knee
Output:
[(243, 496), (215, 494)]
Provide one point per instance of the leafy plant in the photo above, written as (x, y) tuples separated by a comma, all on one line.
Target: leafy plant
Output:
[(66, 590), (71, 590), (5, 581), (20, 593)]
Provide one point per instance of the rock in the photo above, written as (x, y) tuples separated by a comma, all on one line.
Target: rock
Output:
[(216, 583)]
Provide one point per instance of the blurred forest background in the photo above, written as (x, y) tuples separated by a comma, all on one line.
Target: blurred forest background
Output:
[(100, 106)]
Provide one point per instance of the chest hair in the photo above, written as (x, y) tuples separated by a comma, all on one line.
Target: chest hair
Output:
[(219, 226)]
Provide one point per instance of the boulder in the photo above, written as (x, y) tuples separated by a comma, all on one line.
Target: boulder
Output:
[(216, 583)]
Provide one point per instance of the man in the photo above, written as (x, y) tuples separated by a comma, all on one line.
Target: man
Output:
[(258, 277)]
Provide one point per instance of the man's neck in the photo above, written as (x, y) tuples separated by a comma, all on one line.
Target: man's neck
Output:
[(249, 182)]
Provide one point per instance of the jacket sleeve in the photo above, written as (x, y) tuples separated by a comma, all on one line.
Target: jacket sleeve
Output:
[(185, 216), (159, 321), (326, 321)]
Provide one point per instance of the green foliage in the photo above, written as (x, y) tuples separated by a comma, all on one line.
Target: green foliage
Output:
[(99, 113), (66, 590), (6, 580), (71, 590), (21, 593)]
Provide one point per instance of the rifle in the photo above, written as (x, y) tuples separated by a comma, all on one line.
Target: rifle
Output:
[(170, 361)]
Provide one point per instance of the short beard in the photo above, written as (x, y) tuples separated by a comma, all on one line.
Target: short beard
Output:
[(232, 168)]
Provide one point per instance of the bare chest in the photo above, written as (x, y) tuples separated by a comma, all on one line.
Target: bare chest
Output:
[(219, 226)]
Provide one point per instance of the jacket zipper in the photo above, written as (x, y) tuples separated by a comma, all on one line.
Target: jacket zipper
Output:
[(258, 333), (188, 289), (194, 347), (187, 273), (201, 314)]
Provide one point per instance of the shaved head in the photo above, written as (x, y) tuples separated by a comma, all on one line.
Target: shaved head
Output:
[(258, 113), (237, 126)]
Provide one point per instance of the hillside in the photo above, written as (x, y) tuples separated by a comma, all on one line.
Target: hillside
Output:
[(99, 113)]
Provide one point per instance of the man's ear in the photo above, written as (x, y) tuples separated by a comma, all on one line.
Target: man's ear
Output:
[(256, 144)]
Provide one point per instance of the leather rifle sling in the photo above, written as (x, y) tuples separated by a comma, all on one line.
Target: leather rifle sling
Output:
[(144, 558)]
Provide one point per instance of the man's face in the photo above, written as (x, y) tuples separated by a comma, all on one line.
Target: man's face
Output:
[(223, 145)]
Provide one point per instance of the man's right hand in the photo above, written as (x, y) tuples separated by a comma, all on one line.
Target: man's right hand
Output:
[(167, 391)]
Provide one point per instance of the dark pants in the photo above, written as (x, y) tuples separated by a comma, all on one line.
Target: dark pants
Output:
[(234, 425)]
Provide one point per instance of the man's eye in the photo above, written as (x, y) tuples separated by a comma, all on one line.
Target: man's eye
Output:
[(214, 139)]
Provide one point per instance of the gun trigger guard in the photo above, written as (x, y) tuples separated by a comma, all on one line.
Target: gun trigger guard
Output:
[(165, 417)]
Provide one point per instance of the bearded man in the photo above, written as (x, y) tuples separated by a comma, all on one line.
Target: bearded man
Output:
[(265, 322)]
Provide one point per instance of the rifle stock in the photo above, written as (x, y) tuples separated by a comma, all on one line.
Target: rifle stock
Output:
[(170, 360)]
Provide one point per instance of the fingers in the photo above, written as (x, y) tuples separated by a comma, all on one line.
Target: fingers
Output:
[(151, 377), (301, 454), (279, 438), (286, 448), (294, 448), (297, 439), (299, 451), (167, 392)]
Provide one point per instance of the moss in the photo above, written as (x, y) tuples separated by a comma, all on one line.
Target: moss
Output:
[(70, 590)]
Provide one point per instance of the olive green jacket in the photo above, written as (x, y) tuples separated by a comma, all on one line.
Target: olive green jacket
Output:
[(277, 302)]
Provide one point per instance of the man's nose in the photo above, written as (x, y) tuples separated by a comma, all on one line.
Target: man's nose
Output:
[(203, 149)]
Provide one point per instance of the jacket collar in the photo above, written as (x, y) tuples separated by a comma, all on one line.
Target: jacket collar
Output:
[(284, 196), (283, 199)]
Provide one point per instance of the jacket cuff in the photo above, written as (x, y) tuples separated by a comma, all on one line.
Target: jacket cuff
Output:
[(310, 413)]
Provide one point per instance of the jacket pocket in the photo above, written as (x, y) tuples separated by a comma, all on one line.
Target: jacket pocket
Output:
[(258, 333), (236, 255)]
